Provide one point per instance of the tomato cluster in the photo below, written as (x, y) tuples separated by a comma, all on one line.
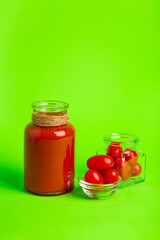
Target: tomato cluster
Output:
[(101, 170), (126, 163), (106, 169)]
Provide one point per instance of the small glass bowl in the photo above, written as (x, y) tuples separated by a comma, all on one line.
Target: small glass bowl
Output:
[(98, 191)]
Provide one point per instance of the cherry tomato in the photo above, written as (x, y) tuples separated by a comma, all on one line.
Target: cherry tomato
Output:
[(115, 150), (135, 169), (93, 176), (123, 168), (100, 162), (130, 155), (111, 176)]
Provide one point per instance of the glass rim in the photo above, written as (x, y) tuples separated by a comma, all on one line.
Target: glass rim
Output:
[(97, 186), (50, 106), (116, 137)]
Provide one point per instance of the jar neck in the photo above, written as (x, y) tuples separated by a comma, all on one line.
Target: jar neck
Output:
[(124, 139), (50, 113)]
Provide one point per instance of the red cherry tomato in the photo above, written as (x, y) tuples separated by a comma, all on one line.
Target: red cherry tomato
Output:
[(123, 168), (135, 169), (93, 176), (115, 150), (111, 176), (100, 162), (130, 155)]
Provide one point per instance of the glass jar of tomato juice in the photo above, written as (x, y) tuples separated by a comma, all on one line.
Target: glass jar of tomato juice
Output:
[(128, 160), (49, 150)]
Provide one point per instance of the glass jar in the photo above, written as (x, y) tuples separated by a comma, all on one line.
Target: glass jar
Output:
[(128, 160), (49, 150)]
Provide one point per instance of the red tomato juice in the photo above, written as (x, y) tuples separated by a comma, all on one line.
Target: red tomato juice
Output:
[(49, 159)]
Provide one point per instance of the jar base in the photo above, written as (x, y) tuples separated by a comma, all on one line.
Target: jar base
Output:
[(131, 181), (50, 193)]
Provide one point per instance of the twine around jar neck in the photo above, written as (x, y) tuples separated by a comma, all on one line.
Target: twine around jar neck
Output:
[(48, 120)]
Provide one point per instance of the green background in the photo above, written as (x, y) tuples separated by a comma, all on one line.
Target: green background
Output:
[(102, 58)]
